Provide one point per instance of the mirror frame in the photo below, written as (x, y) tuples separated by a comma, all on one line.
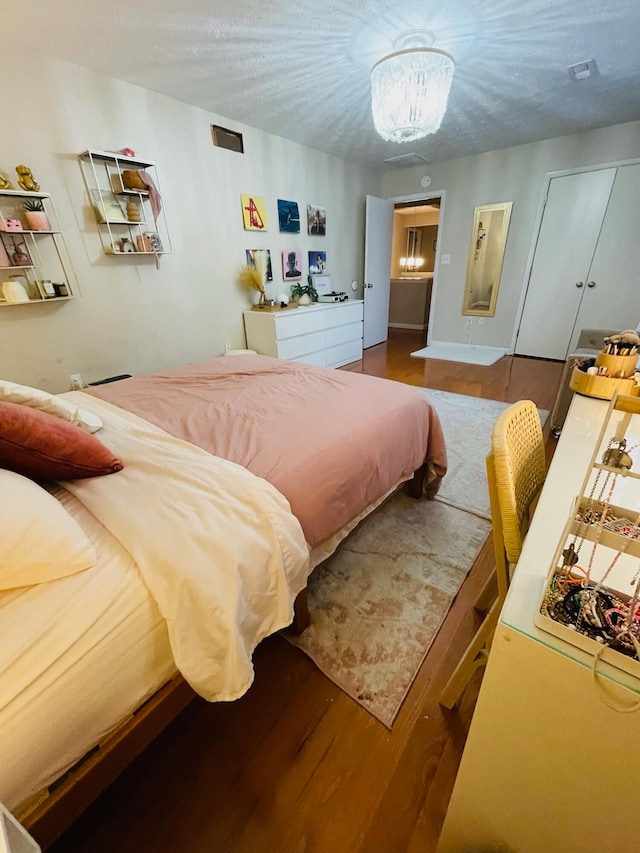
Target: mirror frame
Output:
[(474, 247)]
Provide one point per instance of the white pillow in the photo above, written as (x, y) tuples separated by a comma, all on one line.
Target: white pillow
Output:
[(39, 540), (11, 392)]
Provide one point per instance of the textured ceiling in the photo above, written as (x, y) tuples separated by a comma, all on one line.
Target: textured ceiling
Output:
[(300, 68)]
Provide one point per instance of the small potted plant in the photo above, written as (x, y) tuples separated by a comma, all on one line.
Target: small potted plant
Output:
[(37, 219), (304, 294)]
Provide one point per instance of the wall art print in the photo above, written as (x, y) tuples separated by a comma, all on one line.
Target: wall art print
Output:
[(316, 220), (317, 263), (288, 216), (254, 213), (261, 260), (291, 264)]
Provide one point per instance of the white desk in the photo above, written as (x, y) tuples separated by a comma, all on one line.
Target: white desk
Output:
[(548, 767)]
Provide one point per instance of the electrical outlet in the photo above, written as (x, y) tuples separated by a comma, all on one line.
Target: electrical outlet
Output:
[(481, 321), (469, 322), (227, 346), (76, 382)]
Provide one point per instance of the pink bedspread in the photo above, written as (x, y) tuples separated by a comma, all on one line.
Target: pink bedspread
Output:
[(330, 441)]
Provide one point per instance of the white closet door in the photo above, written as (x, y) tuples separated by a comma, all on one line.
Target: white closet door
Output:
[(612, 290), (570, 226)]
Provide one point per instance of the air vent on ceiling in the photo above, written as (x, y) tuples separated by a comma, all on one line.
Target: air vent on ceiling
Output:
[(412, 159), (583, 70), (224, 138)]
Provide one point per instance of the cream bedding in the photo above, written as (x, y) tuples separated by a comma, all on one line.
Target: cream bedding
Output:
[(77, 656), (217, 547)]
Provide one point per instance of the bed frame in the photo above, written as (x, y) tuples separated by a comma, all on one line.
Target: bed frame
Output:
[(49, 813)]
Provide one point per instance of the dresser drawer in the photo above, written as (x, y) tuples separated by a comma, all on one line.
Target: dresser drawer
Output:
[(295, 347), (319, 359), (344, 353), (293, 323), (342, 334), (349, 312)]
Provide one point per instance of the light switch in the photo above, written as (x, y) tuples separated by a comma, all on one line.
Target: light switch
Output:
[(445, 259)]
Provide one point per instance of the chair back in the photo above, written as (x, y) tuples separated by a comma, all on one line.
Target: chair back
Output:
[(520, 468)]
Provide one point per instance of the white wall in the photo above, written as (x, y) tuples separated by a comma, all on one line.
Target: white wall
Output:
[(511, 174), (132, 318)]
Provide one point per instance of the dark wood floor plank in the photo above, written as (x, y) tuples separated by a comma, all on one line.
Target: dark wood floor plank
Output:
[(295, 765)]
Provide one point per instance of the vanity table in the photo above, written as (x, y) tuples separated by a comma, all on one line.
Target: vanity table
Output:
[(548, 766)]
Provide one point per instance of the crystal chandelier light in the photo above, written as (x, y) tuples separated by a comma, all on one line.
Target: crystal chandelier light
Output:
[(409, 92)]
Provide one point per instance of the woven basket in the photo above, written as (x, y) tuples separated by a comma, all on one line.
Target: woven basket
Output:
[(601, 387)]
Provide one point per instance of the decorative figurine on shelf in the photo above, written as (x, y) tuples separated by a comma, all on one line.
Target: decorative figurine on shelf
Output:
[(5, 183), (26, 179), (20, 258)]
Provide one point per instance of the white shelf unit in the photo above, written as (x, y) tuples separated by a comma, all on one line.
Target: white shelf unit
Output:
[(324, 334), (103, 174), (45, 248)]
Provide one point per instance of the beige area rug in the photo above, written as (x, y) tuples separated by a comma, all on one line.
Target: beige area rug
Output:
[(379, 602)]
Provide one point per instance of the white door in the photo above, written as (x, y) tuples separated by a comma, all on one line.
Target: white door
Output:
[(377, 270), (571, 222), (612, 291)]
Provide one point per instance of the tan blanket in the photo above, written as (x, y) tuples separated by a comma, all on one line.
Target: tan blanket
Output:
[(331, 441)]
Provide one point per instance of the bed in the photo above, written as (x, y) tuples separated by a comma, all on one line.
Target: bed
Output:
[(241, 474)]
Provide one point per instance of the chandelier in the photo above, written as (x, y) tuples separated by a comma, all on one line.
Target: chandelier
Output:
[(409, 92)]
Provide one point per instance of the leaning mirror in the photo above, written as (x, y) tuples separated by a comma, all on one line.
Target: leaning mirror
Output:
[(486, 253)]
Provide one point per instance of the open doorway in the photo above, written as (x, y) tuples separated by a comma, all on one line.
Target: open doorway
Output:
[(413, 254)]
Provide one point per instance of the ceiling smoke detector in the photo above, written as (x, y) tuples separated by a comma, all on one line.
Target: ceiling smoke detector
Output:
[(583, 70)]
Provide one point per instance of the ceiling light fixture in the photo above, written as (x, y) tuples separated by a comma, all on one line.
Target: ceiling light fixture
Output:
[(410, 89)]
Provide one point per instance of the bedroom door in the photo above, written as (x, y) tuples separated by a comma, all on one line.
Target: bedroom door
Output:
[(377, 270), (569, 231)]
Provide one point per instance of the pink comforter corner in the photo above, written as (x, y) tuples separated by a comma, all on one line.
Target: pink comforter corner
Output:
[(330, 441)]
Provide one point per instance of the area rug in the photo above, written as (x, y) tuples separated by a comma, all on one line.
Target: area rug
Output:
[(379, 602), (466, 353)]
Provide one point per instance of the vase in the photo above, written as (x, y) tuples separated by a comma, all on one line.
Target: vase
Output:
[(37, 220), (305, 299)]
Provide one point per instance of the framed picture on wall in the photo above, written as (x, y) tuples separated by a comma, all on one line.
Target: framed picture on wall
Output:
[(291, 265), (288, 216), (317, 263), (316, 220), (254, 213), (261, 259)]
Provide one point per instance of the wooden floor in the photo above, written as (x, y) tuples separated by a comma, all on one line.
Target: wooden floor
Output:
[(295, 765)]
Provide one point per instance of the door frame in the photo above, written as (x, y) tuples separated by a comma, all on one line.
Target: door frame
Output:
[(424, 196), (537, 225)]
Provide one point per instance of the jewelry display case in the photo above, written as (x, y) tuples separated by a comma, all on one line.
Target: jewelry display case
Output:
[(591, 597)]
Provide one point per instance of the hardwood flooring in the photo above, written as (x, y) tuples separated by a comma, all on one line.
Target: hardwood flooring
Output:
[(295, 765)]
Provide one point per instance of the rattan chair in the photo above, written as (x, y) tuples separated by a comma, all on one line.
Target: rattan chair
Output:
[(516, 470)]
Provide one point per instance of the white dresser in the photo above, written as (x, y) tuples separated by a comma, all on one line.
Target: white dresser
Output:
[(325, 334)]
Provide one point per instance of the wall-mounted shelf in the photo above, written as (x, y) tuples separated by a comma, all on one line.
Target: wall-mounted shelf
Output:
[(106, 175), (45, 272)]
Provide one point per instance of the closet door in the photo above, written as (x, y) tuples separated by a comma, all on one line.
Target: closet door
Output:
[(612, 290), (571, 223)]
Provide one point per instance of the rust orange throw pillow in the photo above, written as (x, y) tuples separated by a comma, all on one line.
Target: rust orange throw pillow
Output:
[(43, 447)]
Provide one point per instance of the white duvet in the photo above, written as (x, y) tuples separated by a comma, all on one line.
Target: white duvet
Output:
[(218, 548)]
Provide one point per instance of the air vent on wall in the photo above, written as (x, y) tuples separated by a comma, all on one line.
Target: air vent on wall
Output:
[(224, 138), (412, 159)]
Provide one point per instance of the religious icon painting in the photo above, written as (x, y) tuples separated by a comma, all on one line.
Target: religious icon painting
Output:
[(254, 213), (288, 216), (317, 263), (291, 264), (316, 220)]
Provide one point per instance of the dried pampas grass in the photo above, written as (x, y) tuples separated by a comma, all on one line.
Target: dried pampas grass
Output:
[(251, 278)]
